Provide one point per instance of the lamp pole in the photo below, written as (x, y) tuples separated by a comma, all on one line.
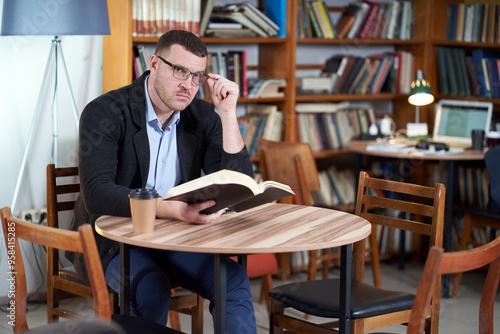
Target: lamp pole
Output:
[(55, 50)]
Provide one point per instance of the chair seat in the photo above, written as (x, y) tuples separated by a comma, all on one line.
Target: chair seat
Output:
[(320, 298), (481, 212), (260, 264), (71, 274), (135, 325)]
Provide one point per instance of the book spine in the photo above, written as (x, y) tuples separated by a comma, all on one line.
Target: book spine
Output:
[(369, 22), (314, 20), (443, 76), (325, 22), (452, 71), (276, 11)]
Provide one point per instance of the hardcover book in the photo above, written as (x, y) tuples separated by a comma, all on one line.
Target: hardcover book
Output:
[(230, 189)]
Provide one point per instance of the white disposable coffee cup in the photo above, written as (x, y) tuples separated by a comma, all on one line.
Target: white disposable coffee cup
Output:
[(143, 209)]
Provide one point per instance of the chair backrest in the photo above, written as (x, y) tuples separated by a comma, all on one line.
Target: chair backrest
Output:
[(423, 208), (61, 185), (439, 263), (379, 199), (79, 242), (290, 163)]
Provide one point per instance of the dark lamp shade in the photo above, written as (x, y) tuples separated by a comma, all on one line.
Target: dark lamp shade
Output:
[(55, 18), (420, 91)]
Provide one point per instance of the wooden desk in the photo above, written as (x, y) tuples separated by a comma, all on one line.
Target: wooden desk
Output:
[(269, 228), (359, 147)]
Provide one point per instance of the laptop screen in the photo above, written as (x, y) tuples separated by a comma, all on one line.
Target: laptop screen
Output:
[(456, 119)]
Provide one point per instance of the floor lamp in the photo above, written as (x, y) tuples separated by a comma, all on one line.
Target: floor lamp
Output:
[(55, 18)]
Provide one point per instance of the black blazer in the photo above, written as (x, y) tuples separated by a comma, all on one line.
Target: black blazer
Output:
[(114, 155)]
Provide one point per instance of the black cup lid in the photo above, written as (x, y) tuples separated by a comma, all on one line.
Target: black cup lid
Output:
[(143, 193)]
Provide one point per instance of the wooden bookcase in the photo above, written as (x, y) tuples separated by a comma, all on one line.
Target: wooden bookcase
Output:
[(278, 59), (280, 56), (438, 39)]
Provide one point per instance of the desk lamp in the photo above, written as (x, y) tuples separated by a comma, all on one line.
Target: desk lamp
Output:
[(52, 18), (420, 95)]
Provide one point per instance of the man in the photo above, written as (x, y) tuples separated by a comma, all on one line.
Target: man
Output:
[(155, 134)]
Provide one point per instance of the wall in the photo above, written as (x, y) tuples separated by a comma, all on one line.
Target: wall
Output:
[(22, 63)]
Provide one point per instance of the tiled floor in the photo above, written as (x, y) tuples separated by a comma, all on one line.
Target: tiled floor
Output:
[(457, 316)]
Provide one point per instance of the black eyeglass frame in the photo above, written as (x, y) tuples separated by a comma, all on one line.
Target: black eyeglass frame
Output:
[(202, 76)]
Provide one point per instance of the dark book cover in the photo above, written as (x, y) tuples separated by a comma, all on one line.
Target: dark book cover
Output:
[(358, 63), (442, 72)]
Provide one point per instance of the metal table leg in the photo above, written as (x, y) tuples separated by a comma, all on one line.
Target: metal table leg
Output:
[(124, 279), (220, 294), (345, 288)]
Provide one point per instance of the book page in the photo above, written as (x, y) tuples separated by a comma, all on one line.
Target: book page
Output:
[(221, 177), (270, 194)]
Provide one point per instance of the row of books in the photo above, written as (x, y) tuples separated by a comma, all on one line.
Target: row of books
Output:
[(473, 22), (155, 17), (473, 186), (330, 130), (390, 72), (377, 20), (468, 72), (314, 20), (140, 60), (261, 120), (480, 235), (232, 65), (336, 188), (248, 16)]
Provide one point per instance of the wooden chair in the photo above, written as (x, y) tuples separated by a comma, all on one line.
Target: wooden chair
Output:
[(440, 263), (262, 266), (62, 188), (294, 164), (78, 242), (371, 307), (474, 217), (61, 198)]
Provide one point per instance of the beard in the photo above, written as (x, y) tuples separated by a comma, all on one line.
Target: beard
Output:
[(171, 100)]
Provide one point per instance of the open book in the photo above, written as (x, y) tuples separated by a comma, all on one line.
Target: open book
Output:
[(233, 190)]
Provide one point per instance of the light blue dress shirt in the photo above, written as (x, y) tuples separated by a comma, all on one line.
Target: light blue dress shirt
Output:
[(164, 168)]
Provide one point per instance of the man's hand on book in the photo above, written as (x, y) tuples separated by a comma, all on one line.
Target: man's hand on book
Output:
[(187, 212)]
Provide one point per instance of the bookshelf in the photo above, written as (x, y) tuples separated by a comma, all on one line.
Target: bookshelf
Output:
[(278, 58), (439, 39), (280, 54)]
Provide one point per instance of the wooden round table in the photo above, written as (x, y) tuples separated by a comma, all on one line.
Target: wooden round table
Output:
[(269, 228)]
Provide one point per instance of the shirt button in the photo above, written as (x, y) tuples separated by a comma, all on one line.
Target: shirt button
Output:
[(111, 251)]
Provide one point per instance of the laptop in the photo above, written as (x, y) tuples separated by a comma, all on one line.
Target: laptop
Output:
[(455, 119)]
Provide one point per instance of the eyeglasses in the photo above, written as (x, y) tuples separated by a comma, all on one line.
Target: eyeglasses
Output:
[(181, 73)]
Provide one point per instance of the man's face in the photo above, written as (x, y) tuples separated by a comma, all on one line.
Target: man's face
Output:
[(170, 93)]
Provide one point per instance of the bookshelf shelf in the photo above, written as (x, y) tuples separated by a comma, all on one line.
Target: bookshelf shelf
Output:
[(495, 101), (359, 41), (213, 40), (441, 42), (352, 97), (243, 100), (332, 153), (248, 40)]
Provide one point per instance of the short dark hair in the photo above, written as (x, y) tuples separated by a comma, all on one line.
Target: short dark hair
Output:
[(187, 39)]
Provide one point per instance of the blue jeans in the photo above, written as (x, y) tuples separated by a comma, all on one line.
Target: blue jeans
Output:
[(153, 273)]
